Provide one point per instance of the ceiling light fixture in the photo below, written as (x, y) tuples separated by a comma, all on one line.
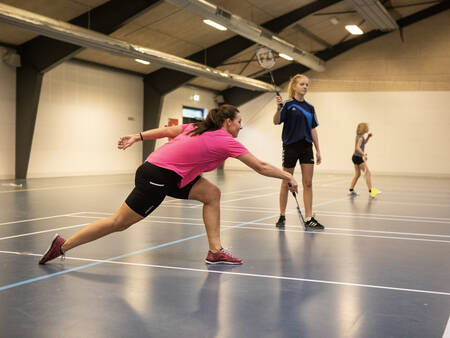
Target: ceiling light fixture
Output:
[(286, 57), (215, 25), (354, 29), (250, 30), (142, 61)]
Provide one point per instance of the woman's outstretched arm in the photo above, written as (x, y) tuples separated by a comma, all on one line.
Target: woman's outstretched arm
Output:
[(269, 170), (151, 134)]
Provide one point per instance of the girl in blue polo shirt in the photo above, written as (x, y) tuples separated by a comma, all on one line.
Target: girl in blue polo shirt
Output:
[(299, 133)]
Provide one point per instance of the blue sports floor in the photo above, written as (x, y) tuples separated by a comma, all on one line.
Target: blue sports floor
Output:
[(380, 269)]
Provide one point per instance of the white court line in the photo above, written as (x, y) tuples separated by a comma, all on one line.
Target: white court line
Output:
[(287, 226), (241, 199), (326, 233), (386, 215), (38, 219), (243, 274), (251, 197), (412, 220), (248, 190), (43, 231), (382, 201), (59, 187), (417, 219), (295, 231), (447, 330)]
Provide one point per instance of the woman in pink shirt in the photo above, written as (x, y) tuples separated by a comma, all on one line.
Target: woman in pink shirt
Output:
[(173, 170)]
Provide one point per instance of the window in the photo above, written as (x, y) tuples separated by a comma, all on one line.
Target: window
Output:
[(193, 114)]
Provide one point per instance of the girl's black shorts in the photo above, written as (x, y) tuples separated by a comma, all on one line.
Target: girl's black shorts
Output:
[(152, 185), (357, 159), (299, 151)]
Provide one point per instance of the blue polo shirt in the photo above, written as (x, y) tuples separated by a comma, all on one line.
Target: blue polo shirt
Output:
[(298, 118)]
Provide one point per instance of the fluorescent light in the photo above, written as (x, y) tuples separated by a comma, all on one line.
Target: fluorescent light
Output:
[(142, 61), (287, 57), (354, 29), (215, 25)]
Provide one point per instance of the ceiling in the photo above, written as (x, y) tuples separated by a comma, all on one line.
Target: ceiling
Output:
[(176, 31)]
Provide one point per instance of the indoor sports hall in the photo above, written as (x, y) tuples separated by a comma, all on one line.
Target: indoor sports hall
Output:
[(222, 168)]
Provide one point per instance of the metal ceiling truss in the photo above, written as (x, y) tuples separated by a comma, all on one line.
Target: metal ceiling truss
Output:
[(166, 80), (238, 96)]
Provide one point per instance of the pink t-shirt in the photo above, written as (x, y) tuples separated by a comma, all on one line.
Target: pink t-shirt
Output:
[(189, 156)]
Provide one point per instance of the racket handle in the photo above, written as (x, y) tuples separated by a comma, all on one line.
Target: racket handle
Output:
[(280, 105)]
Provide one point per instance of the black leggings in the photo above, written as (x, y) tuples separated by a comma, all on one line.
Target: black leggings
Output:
[(152, 185)]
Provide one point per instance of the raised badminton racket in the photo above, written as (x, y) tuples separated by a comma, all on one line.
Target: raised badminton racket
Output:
[(266, 60)]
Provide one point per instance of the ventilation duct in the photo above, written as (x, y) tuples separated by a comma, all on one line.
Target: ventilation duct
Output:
[(250, 30), (375, 14), (86, 38)]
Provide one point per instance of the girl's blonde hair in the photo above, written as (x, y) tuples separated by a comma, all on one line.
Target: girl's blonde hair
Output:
[(293, 82), (362, 128)]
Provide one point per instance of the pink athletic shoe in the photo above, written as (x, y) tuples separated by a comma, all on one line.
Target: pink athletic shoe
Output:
[(54, 250), (222, 257)]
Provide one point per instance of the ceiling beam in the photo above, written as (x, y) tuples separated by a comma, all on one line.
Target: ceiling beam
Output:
[(79, 36), (43, 53), (166, 80), (238, 96)]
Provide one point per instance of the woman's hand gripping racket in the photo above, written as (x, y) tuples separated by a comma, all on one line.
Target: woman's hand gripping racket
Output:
[(266, 60)]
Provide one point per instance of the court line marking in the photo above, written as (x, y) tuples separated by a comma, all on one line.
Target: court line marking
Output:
[(197, 205), (132, 253), (40, 218), (388, 215), (225, 193), (28, 281), (255, 228), (398, 219), (150, 220), (64, 187), (244, 274), (418, 219), (255, 196), (447, 329), (300, 231), (41, 232)]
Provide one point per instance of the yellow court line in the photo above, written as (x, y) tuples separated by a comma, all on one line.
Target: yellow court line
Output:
[(64, 187)]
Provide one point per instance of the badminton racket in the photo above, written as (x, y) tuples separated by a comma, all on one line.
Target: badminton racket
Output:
[(298, 208), (266, 60)]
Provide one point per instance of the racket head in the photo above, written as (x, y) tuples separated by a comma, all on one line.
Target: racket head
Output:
[(265, 58)]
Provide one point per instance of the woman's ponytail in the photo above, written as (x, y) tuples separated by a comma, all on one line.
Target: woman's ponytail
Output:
[(215, 119)]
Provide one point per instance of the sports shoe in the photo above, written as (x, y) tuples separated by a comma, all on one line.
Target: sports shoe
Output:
[(54, 250), (222, 257), (313, 225), (353, 193), (281, 222), (374, 192)]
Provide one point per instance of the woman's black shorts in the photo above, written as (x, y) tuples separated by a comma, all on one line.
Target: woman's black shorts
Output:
[(357, 159), (301, 151), (152, 185)]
